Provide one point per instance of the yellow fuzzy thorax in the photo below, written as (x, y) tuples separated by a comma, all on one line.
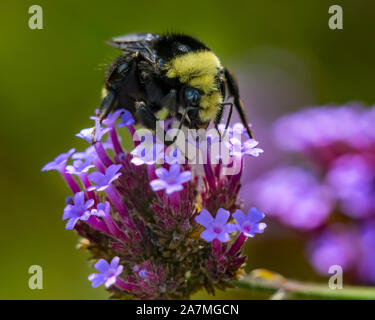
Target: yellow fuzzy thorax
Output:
[(199, 70)]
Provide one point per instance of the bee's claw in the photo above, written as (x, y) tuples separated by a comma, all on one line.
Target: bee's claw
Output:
[(93, 138)]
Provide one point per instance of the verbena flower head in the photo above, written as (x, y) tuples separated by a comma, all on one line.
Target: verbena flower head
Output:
[(156, 227)]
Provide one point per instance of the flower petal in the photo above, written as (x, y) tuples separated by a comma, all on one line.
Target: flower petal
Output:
[(254, 215), (114, 263), (222, 216), (223, 237), (208, 235), (239, 216), (102, 266), (204, 218), (185, 177), (158, 184), (173, 188)]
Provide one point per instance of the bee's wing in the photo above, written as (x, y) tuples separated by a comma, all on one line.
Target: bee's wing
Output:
[(141, 43), (132, 40)]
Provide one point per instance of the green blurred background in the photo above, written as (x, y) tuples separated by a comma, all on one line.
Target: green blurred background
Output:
[(51, 81)]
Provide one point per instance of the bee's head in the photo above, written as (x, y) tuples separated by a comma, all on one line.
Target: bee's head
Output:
[(197, 68)]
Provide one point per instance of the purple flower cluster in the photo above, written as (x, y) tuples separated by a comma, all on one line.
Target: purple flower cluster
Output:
[(339, 186), (155, 229)]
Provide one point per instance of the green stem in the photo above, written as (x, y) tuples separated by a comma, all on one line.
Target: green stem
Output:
[(272, 283)]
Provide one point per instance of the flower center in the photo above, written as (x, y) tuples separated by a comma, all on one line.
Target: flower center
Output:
[(216, 229), (246, 228)]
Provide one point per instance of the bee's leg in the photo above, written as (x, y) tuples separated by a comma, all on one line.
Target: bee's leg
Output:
[(146, 116), (107, 105), (234, 91), (229, 117), (105, 108), (170, 101)]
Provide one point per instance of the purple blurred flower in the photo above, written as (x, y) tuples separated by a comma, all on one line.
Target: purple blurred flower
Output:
[(335, 246), (77, 211), (249, 224), (352, 178), (294, 196), (216, 228), (108, 272), (103, 181), (326, 127), (366, 263), (59, 162), (170, 180)]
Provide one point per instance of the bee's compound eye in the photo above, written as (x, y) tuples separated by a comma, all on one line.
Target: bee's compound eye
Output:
[(183, 48), (180, 48), (192, 96)]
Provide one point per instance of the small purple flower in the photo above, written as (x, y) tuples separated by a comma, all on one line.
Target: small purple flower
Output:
[(126, 119), (239, 149), (143, 273), (79, 167), (77, 211), (86, 134), (249, 224), (110, 120), (171, 180), (147, 155), (216, 228), (59, 162), (108, 273), (102, 210), (88, 154), (102, 181)]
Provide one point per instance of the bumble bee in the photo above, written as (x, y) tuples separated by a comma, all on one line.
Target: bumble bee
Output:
[(172, 72)]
